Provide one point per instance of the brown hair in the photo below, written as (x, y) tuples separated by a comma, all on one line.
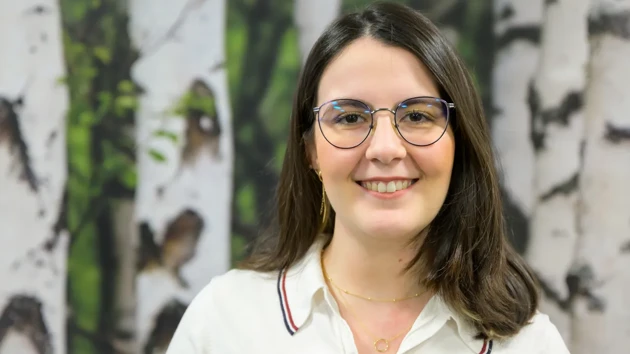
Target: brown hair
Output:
[(465, 256)]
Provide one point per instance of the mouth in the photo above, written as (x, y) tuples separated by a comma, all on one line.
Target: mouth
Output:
[(387, 187)]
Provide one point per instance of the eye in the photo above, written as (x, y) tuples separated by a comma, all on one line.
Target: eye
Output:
[(349, 118), (416, 117)]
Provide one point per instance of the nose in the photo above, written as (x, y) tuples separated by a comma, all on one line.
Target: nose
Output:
[(385, 145)]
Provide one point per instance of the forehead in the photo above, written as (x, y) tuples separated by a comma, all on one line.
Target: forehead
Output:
[(376, 73)]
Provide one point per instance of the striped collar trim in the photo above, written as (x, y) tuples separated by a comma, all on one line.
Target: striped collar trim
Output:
[(284, 303), (487, 347)]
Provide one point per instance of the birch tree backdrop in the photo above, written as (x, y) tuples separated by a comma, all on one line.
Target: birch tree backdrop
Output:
[(141, 140)]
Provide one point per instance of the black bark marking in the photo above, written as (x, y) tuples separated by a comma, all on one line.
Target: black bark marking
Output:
[(517, 224), (165, 325), (580, 282), (537, 131), (506, 13), (582, 152), (553, 295), (572, 103), (616, 24), (11, 132), (203, 128), (46, 259), (616, 134), (40, 10), (566, 187), (179, 246), (625, 248), (24, 314), (149, 251), (51, 138), (550, 2), (529, 33)]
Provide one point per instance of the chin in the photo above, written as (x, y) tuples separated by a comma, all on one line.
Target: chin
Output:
[(392, 229)]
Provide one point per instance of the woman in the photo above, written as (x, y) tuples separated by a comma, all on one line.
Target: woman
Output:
[(391, 237)]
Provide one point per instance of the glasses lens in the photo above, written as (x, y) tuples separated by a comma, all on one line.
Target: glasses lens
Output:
[(422, 121), (345, 123)]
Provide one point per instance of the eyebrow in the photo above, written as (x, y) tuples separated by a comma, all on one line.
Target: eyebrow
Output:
[(354, 102)]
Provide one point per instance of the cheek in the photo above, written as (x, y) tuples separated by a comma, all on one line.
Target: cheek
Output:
[(336, 163), (436, 161)]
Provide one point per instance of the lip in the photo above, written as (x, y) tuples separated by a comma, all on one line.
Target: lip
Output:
[(386, 179)]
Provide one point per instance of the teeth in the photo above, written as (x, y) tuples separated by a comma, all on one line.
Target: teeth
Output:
[(389, 187)]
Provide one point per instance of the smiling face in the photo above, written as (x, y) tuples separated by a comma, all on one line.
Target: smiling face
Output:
[(384, 187)]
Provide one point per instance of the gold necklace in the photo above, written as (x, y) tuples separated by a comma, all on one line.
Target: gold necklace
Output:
[(369, 298), (381, 345)]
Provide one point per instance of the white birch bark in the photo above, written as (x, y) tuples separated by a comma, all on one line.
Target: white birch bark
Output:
[(311, 18), (32, 178), (602, 273), (182, 45), (517, 26), (558, 129)]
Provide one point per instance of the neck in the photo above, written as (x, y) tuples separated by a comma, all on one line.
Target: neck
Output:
[(370, 267)]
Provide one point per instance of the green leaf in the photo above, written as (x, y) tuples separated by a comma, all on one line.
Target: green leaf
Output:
[(103, 54), (86, 118), (157, 156), (166, 134), (129, 178), (126, 86), (125, 102), (62, 80)]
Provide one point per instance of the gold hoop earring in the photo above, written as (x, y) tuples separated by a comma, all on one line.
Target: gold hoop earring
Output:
[(323, 210)]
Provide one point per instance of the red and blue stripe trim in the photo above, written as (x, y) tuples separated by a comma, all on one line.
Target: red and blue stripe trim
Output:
[(284, 304), (487, 347)]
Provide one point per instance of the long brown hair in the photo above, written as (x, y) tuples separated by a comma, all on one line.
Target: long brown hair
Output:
[(465, 256)]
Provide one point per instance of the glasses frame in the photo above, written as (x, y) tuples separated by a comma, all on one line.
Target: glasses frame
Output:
[(449, 106)]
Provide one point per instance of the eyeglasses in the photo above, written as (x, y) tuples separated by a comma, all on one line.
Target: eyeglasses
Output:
[(346, 123)]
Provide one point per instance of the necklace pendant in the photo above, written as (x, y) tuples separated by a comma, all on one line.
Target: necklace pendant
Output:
[(381, 345)]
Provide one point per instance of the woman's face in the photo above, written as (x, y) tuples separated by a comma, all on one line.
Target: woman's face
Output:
[(385, 187)]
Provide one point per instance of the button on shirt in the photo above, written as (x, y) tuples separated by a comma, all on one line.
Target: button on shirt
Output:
[(293, 311)]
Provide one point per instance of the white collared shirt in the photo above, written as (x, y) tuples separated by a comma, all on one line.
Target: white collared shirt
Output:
[(294, 312)]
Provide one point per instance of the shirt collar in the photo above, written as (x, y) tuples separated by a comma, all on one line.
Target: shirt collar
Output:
[(301, 283), (298, 285)]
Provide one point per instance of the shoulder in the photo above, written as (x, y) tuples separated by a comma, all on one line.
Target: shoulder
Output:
[(231, 303), (539, 336), (238, 288)]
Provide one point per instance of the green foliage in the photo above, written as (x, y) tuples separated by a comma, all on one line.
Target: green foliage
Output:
[(157, 155), (263, 65), (277, 103), (100, 154), (246, 205), (191, 101)]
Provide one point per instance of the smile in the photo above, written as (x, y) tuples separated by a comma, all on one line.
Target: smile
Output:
[(388, 187)]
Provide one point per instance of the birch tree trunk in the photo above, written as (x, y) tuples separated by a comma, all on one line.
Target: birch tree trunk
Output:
[(33, 175), (185, 158), (601, 276), (557, 135), (311, 18), (517, 29)]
